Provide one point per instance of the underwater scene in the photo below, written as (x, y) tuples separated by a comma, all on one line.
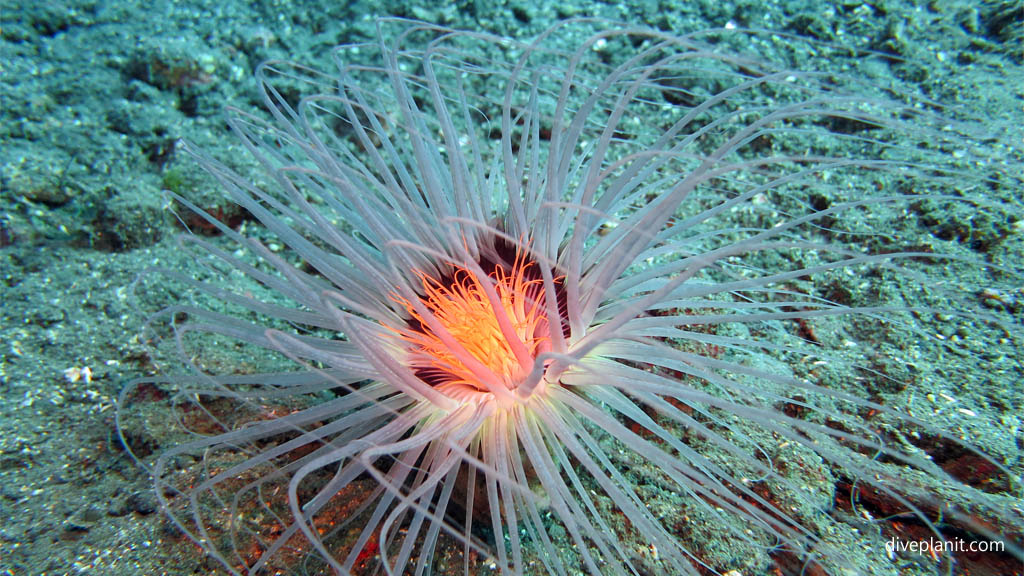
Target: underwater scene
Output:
[(650, 288)]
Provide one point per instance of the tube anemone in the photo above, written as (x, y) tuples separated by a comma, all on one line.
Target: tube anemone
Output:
[(611, 301)]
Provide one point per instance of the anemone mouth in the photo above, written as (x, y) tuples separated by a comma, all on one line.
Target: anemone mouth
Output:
[(479, 330)]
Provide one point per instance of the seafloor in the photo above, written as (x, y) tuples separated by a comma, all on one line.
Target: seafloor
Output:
[(94, 97)]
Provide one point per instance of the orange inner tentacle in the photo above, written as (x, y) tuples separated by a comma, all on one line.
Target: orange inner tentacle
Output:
[(463, 309)]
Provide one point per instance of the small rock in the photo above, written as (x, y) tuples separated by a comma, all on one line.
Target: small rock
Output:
[(84, 519), (142, 502)]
